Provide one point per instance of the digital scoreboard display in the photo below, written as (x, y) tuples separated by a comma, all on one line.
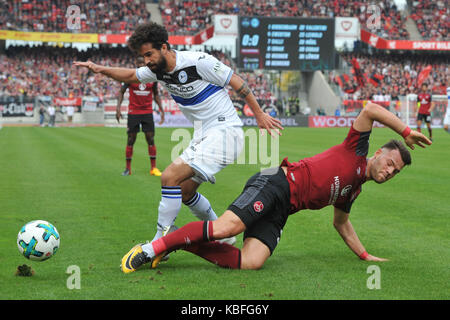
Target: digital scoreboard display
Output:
[(305, 44)]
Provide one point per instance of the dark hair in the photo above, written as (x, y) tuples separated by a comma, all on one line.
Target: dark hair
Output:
[(404, 152), (148, 33)]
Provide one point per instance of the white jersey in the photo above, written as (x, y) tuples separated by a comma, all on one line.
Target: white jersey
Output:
[(447, 113), (448, 100), (197, 84)]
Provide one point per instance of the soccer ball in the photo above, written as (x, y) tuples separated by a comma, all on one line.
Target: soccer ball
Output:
[(38, 240)]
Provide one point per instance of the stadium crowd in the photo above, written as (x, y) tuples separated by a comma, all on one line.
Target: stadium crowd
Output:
[(47, 70), (432, 18), (96, 16), (190, 17), (193, 16), (398, 75)]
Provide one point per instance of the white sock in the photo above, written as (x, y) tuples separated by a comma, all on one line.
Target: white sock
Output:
[(148, 249), (201, 208), (169, 206)]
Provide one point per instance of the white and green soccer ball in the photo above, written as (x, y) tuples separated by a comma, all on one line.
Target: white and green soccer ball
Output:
[(38, 240)]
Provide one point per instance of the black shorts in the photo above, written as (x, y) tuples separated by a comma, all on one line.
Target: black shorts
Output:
[(136, 121), (264, 206), (424, 117)]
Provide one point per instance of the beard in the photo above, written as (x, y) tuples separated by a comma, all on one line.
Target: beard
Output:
[(158, 67)]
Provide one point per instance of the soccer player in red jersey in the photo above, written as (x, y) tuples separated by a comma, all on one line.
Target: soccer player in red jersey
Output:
[(140, 114), (425, 107), (333, 177)]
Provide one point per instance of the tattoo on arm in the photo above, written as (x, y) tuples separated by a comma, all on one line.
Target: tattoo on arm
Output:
[(243, 91)]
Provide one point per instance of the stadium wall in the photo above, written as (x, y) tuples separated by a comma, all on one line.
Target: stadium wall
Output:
[(320, 95)]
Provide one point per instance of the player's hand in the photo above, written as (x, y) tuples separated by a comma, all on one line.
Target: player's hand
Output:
[(90, 65), (162, 118), (418, 138), (373, 258), (118, 116), (265, 121)]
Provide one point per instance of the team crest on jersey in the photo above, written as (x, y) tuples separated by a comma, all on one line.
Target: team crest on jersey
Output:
[(258, 206), (142, 86), (182, 77)]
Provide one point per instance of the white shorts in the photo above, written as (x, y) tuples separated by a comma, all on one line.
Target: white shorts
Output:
[(447, 119), (216, 149)]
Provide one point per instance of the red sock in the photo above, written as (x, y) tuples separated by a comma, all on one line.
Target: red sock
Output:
[(128, 156), (221, 254), (152, 154), (194, 232)]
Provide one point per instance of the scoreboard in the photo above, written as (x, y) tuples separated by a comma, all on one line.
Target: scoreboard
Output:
[(286, 43)]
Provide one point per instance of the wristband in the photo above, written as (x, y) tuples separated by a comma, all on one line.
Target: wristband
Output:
[(363, 255), (406, 132)]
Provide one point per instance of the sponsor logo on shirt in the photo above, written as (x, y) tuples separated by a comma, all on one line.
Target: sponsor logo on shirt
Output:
[(184, 91), (334, 190)]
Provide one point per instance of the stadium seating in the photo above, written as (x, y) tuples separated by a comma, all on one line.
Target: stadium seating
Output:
[(188, 17), (46, 70), (399, 74), (96, 16), (432, 19)]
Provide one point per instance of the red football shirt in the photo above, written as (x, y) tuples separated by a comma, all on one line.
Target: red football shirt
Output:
[(141, 98), (333, 177), (425, 103)]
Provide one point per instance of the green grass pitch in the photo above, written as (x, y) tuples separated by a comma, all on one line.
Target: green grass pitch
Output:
[(72, 178)]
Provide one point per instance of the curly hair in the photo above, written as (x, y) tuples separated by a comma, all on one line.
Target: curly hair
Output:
[(148, 33)]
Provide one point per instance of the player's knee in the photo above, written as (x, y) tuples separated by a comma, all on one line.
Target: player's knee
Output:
[(250, 262), (131, 139), (150, 138), (227, 226), (176, 173), (167, 178)]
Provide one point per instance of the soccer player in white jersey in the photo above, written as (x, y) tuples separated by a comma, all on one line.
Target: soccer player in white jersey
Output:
[(196, 81), (447, 113)]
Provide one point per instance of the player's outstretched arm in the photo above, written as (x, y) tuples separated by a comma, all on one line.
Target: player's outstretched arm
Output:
[(126, 75), (345, 229), (264, 120), (374, 112)]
